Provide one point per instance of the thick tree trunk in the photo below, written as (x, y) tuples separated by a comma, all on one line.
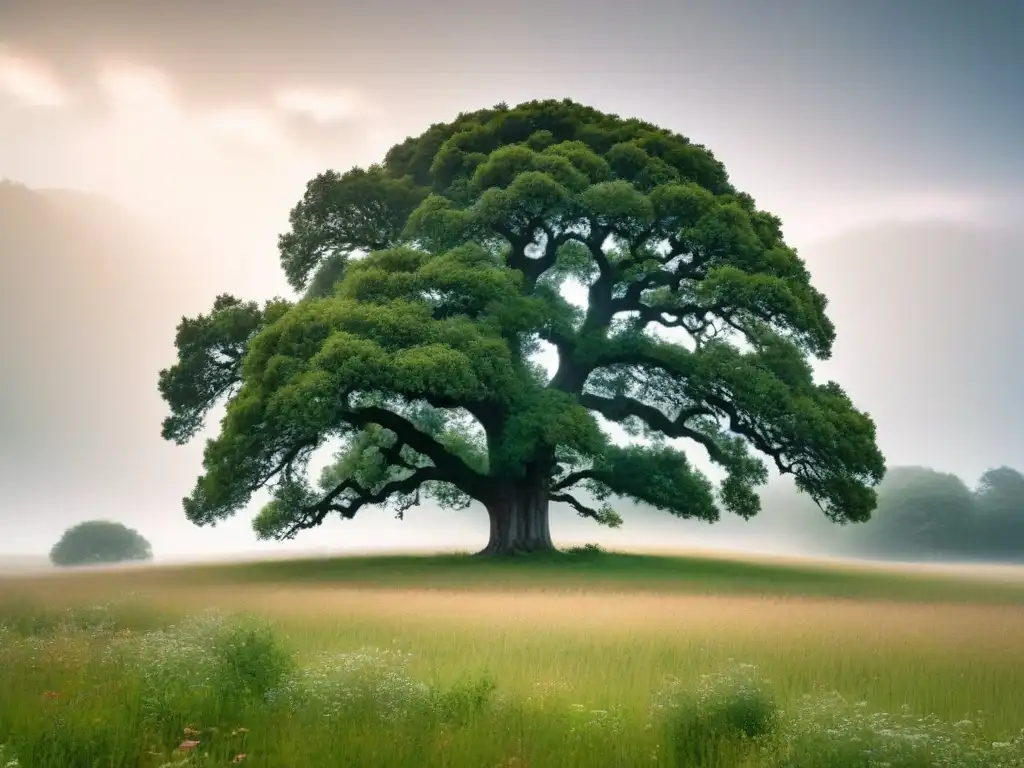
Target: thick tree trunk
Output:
[(519, 518)]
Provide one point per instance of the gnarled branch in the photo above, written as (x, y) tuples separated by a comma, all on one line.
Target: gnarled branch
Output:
[(451, 468), (572, 501), (312, 516), (620, 408), (605, 516)]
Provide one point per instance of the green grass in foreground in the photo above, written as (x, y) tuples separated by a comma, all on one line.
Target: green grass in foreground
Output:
[(128, 684), (611, 571)]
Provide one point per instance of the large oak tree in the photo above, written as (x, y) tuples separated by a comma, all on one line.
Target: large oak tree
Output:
[(428, 286)]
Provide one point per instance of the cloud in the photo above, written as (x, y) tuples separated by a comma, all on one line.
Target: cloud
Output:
[(959, 208), (322, 106), (281, 122), (889, 207), (30, 81), (144, 97), (137, 90), (252, 125)]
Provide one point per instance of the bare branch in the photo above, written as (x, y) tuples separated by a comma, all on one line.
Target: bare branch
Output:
[(573, 502), (621, 408), (311, 517), (455, 470), (574, 478), (605, 516), (747, 429)]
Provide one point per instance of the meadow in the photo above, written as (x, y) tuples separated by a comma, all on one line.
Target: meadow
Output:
[(588, 659)]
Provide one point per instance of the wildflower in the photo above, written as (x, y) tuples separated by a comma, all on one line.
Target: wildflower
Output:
[(238, 758), (7, 759), (188, 744), (364, 678)]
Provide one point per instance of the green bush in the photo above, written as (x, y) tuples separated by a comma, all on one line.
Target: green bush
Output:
[(209, 667), (250, 660), (586, 549), (721, 716), (464, 700), (100, 541)]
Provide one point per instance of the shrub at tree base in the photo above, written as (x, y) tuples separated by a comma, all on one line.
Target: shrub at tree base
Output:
[(435, 283), (99, 541)]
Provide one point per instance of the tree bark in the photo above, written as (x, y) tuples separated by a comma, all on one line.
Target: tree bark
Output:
[(518, 514)]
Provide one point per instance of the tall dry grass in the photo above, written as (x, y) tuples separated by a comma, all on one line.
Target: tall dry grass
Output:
[(580, 676)]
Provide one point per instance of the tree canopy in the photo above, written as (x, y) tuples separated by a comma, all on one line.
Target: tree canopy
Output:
[(999, 506), (921, 512), (432, 284), (99, 541)]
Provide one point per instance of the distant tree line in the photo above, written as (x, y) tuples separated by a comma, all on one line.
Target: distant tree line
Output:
[(926, 514)]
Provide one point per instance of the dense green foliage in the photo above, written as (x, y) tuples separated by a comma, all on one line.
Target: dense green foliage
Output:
[(99, 541), (999, 513), (922, 512), (433, 281)]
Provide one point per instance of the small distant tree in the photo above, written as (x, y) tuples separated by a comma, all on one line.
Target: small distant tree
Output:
[(431, 283), (99, 541)]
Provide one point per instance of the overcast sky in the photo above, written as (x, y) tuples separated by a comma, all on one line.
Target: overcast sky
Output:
[(886, 135)]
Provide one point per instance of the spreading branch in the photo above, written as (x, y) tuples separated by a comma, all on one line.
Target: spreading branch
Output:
[(450, 467), (621, 408), (332, 502), (603, 516)]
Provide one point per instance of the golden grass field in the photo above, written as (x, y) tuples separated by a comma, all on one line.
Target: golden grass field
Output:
[(948, 645)]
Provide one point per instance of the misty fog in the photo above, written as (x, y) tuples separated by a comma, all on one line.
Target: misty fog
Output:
[(146, 177)]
